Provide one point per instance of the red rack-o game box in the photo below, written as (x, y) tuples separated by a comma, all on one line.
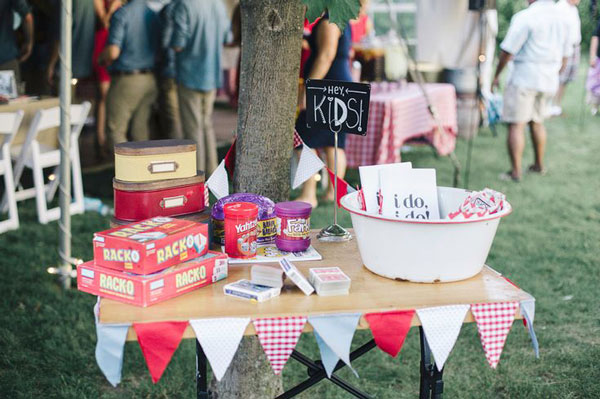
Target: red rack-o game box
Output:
[(154, 288), (150, 245)]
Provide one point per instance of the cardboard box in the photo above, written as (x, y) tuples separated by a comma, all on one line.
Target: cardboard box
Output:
[(154, 288), (150, 245)]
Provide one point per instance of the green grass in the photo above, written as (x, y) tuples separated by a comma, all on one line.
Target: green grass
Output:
[(549, 246)]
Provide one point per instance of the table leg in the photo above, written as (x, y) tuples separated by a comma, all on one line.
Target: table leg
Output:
[(432, 384), (201, 373)]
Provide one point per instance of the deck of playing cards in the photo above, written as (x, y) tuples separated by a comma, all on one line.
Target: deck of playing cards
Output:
[(296, 276), (329, 281), (246, 290), (267, 275)]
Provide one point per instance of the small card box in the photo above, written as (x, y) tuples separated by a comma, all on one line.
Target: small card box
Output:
[(329, 281), (150, 245), (267, 275), (296, 276), (154, 288), (245, 289)]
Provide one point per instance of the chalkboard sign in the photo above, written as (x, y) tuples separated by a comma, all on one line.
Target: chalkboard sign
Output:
[(337, 106)]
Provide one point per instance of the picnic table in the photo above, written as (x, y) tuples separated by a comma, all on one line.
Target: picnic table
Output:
[(368, 293), (398, 113)]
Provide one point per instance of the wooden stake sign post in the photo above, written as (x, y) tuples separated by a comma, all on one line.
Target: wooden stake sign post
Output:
[(337, 106)]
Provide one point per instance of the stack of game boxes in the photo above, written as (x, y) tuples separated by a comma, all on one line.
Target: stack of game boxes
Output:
[(158, 256)]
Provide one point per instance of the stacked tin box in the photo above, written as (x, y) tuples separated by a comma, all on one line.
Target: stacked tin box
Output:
[(153, 251)]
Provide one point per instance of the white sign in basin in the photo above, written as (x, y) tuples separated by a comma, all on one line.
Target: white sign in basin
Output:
[(424, 251)]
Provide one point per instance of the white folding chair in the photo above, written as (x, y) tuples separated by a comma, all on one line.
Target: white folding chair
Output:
[(9, 126), (37, 156)]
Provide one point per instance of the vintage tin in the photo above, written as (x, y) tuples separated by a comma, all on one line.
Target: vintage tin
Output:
[(240, 229), (139, 201), (150, 289), (144, 161), (150, 245)]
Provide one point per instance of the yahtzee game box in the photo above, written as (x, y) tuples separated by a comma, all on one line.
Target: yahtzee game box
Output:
[(150, 289), (150, 245)]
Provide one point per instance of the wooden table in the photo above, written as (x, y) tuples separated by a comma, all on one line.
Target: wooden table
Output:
[(368, 293), (30, 106)]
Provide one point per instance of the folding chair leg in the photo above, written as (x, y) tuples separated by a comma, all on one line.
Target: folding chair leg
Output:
[(40, 190), (53, 185), (12, 223), (77, 206)]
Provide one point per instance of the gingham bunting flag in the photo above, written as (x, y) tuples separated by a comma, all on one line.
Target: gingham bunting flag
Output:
[(206, 197), (109, 348), (334, 335), (528, 311), (308, 164), (493, 323), (219, 339), (278, 337), (158, 342), (297, 140), (441, 326), (218, 182)]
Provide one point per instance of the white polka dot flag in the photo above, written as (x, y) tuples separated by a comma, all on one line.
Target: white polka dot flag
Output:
[(493, 322), (278, 337), (219, 339), (442, 325)]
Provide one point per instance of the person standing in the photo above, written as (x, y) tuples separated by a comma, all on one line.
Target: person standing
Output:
[(200, 28), (133, 39), (568, 9), (170, 122), (593, 78), (538, 43), (10, 54)]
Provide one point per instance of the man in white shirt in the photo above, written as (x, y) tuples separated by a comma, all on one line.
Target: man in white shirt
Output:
[(568, 9), (538, 43)]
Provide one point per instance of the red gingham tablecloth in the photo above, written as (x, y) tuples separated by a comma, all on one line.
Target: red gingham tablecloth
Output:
[(398, 112)]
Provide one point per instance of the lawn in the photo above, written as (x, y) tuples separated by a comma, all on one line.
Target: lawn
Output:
[(549, 246)]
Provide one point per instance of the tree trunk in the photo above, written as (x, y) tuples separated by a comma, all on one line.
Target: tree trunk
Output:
[(271, 42)]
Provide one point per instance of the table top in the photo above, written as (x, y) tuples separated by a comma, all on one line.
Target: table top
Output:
[(368, 293)]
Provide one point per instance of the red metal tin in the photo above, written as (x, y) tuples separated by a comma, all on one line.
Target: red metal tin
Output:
[(147, 290), (139, 201), (241, 219), (150, 245)]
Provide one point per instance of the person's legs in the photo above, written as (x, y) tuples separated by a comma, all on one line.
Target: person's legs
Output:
[(516, 145), (341, 168), (101, 114), (169, 109), (210, 142), (309, 190), (538, 137), (140, 129), (119, 109), (189, 109)]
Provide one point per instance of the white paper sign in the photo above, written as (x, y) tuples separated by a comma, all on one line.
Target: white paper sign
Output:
[(409, 194), (369, 180)]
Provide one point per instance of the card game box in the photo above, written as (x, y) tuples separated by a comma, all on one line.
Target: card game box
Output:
[(245, 289), (150, 245), (153, 288)]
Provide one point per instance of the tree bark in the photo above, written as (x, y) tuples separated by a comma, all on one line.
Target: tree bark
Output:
[(271, 42), (270, 64)]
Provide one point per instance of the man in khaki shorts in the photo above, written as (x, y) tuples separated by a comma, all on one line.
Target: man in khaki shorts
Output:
[(538, 43)]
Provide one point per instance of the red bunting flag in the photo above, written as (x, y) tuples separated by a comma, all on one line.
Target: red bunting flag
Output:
[(230, 159), (493, 323), (389, 329), (343, 186), (158, 342)]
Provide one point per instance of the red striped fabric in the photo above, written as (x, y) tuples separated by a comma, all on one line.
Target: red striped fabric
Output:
[(493, 323)]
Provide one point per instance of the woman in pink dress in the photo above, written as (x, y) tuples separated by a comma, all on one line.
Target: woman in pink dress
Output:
[(104, 10)]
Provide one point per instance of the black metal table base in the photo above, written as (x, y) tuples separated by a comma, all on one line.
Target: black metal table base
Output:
[(431, 386)]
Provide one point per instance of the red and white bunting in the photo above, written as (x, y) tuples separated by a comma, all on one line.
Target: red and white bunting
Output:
[(389, 329), (218, 182), (158, 342), (308, 165), (493, 323), (441, 326), (343, 186), (278, 337), (297, 140)]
